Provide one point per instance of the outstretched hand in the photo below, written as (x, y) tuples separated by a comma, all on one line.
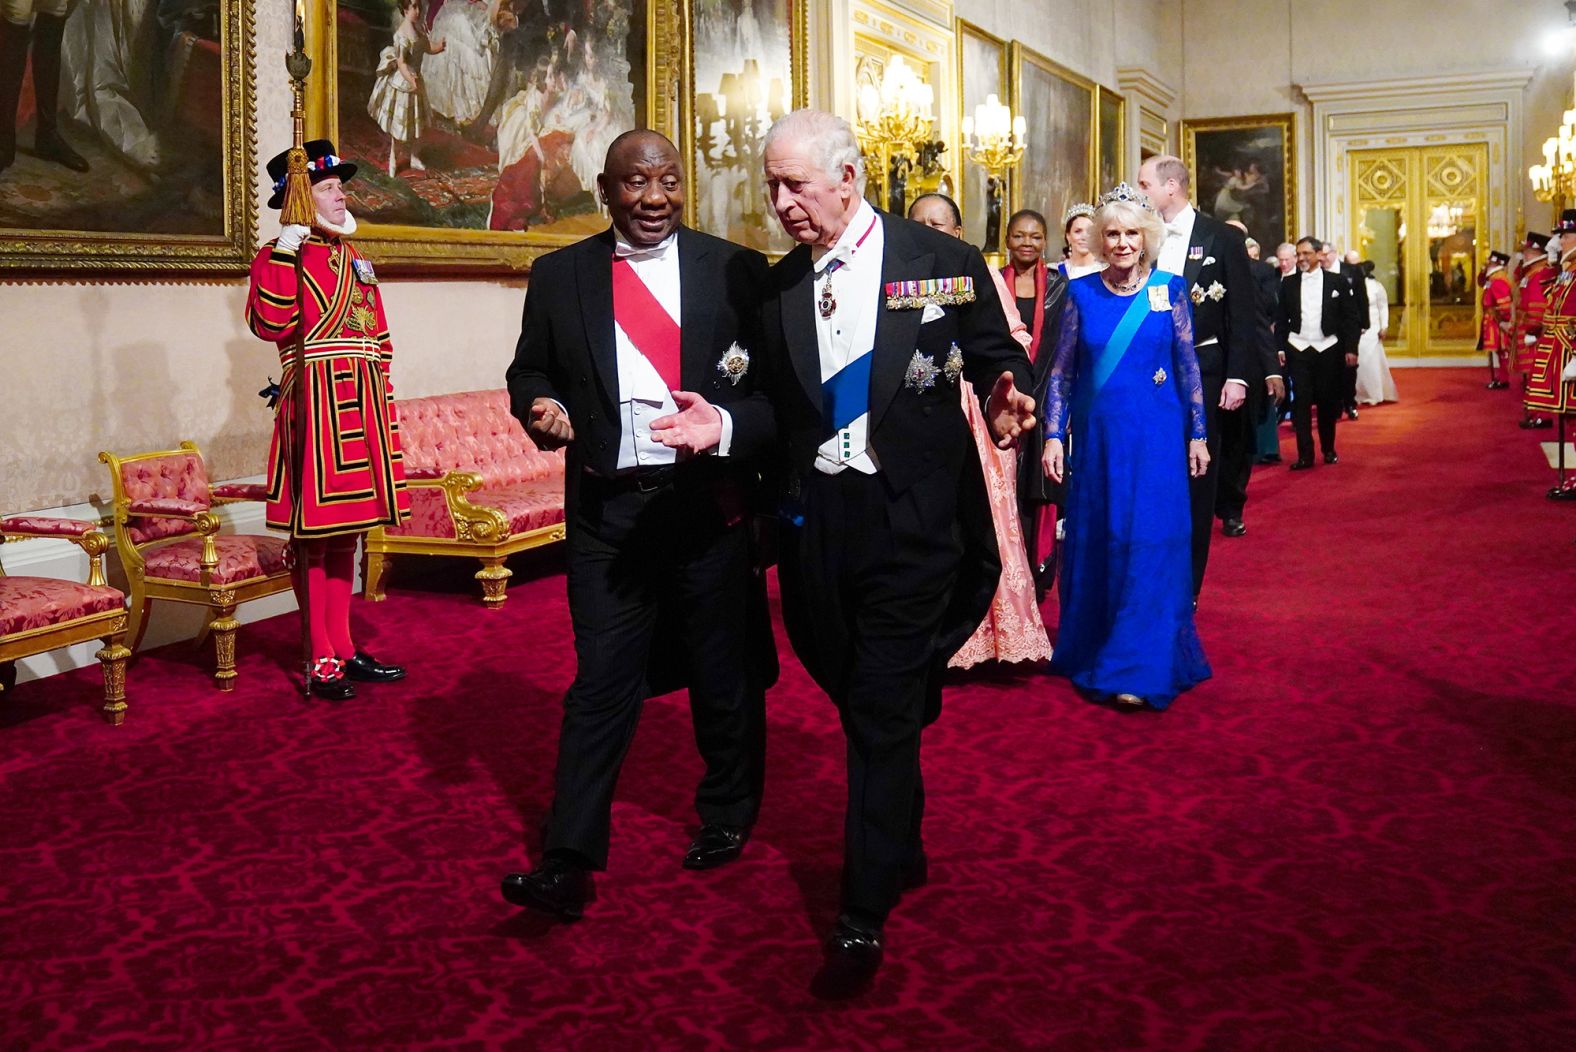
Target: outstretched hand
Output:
[(1009, 411), (695, 429)]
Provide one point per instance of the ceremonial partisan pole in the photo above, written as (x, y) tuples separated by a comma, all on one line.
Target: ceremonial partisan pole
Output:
[(297, 209)]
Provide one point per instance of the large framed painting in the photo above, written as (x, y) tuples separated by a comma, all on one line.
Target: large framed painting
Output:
[(139, 156), (479, 126), (982, 67), (747, 68), (1112, 146), (1245, 168), (1057, 170)]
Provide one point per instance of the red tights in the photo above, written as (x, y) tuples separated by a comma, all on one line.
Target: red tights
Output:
[(330, 568)]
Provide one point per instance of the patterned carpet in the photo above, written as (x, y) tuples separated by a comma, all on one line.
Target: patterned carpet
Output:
[(1360, 834)]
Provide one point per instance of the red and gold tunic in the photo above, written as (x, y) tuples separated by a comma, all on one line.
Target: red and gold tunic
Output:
[(1497, 296), (1532, 288), (354, 478), (1546, 392)]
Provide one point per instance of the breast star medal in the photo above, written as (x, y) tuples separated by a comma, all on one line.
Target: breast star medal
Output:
[(921, 372), (954, 367), (1159, 377), (734, 363)]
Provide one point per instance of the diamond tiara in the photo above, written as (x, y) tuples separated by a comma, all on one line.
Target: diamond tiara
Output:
[(1126, 195), (1079, 209)]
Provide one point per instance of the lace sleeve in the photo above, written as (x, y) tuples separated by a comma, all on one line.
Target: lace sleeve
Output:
[(1064, 371), (1184, 362)]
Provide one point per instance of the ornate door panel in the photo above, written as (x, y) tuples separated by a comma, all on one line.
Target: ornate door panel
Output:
[(1416, 212)]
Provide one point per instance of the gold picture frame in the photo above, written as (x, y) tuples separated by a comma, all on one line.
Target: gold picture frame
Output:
[(1235, 163), (723, 159), (1110, 141), (463, 234), (1059, 164), (177, 164), (984, 68)]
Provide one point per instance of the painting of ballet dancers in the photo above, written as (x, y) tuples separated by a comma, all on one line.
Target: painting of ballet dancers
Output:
[(473, 122), (114, 147), (744, 72), (1057, 169), (1243, 168)]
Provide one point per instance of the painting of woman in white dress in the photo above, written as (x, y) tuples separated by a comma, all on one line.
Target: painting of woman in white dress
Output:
[(504, 118)]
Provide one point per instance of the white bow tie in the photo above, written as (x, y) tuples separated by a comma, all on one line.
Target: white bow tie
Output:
[(626, 251), (1176, 230)]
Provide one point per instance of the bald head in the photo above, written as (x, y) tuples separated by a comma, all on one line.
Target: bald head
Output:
[(642, 185)]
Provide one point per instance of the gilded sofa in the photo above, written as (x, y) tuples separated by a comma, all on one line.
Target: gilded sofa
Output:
[(479, 488)]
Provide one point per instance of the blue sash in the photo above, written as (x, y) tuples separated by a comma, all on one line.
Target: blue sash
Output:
[(1122, 336), (846, 396)]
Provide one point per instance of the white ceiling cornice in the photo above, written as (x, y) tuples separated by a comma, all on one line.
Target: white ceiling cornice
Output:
[(1373, 91)]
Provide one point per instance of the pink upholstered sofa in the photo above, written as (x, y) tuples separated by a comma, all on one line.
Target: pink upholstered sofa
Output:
[(479, 487)]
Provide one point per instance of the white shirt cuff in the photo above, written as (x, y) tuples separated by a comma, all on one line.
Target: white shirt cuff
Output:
[(727, 431), (1244, 383)]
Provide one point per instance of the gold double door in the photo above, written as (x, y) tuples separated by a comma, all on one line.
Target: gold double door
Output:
[(1417, 213)]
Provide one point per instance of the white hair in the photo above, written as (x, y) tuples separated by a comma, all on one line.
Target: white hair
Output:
[(1129, 215), (828, 137)]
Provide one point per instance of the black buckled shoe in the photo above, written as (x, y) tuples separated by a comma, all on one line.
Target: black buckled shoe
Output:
[(558, 886), (327, 680), (1233, 527), (716, 845), (364, 668), (852, 958), (1331, 458)]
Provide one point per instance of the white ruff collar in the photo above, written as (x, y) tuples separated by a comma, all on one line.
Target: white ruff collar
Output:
[(345, 230)]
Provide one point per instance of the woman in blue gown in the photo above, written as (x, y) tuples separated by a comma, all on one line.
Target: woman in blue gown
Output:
[(1126, 376)]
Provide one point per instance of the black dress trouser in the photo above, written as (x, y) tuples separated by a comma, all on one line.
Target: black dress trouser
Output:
[(868, 577), (1202, 490), (636, 557), (1317, 377)]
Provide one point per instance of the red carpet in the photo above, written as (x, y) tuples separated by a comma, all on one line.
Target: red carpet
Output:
[(1360, 834)]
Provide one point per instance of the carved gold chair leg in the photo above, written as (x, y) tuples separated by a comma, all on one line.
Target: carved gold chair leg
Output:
[(375, 577), (113, 656), (494, 576), (223, 627)]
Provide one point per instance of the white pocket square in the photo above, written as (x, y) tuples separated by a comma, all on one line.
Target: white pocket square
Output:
[(1208, 260), (931, 313)]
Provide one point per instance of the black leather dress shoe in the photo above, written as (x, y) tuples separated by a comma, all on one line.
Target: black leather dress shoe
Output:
[(1233, 527), (716, 845), (1300, 464), (1350, 412), (1267, 458), (1562, 493), (557, 886), (852, 958), (364, 668), (1331, 458), (1533, 423), (340, 689)]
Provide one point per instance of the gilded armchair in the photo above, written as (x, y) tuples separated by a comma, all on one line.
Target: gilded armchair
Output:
[(171, 549), (40, 614)]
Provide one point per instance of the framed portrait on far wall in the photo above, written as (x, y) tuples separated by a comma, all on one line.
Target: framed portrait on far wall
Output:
[(479, 127), (747, 69), (983, 67), (137, 153), (1113, 142), (1058, 166), (1245, 168)]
